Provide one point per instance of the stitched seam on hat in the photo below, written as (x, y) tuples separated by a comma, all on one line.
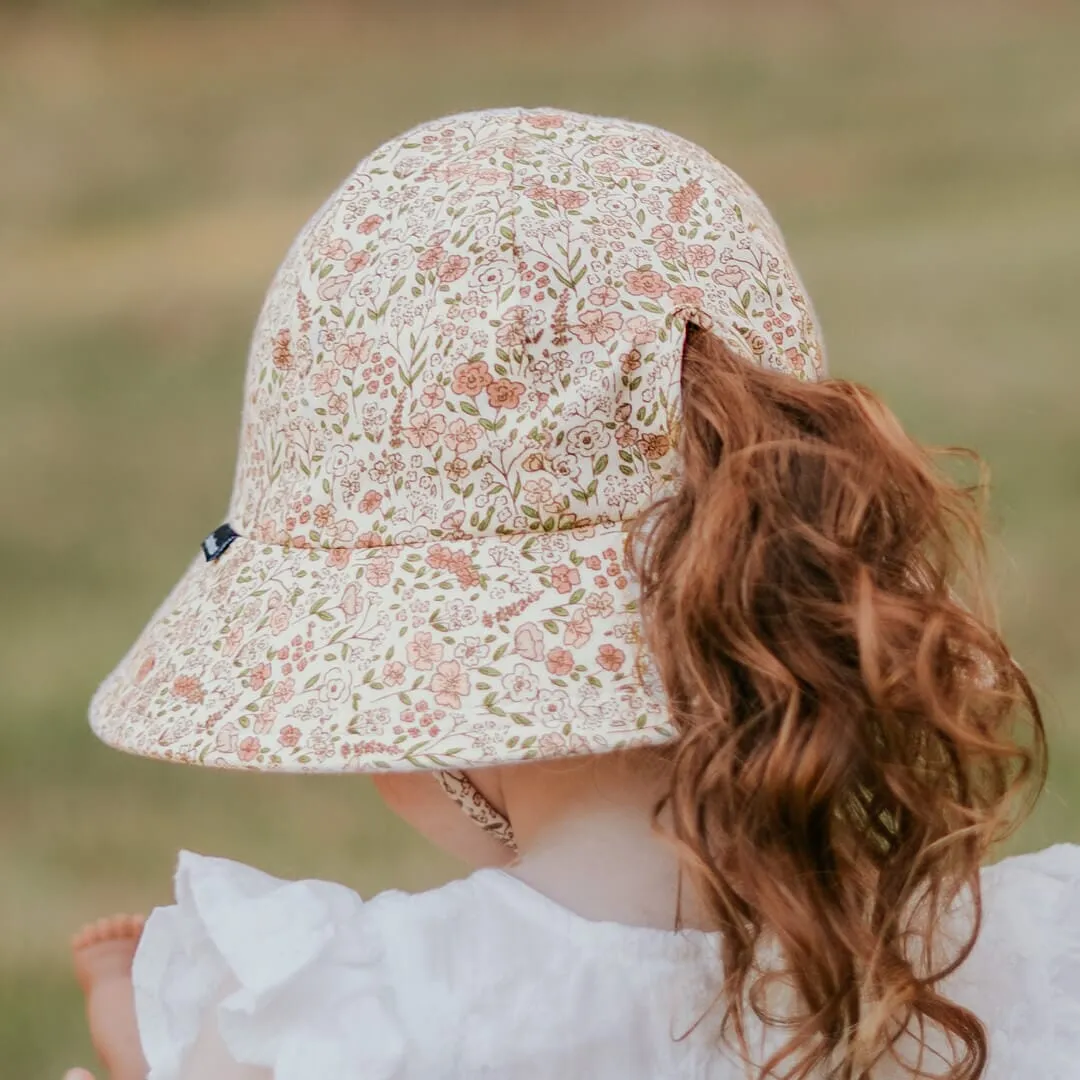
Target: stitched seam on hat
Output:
[(603, 526)]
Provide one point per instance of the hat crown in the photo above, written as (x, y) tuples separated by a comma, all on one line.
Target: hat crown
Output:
[(481, 332)]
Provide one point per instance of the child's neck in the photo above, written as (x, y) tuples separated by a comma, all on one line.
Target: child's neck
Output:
[(586, 838)]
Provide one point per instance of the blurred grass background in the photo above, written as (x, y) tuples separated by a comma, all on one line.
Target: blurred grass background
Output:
[(155, 160)]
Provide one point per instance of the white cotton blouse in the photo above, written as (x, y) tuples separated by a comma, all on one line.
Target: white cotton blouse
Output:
[(488, 978)]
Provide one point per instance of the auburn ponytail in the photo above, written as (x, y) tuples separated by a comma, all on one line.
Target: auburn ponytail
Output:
[(852, 735)]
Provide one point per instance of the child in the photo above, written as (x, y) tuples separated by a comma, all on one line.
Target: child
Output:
[(544, 502)]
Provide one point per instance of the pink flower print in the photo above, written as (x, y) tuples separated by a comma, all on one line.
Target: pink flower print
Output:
[(570, 200), (188, 689), (453, 268), (538, 493), (461, 437), (337, 249), (227, 738), (337, 404), (682, 201), (282, 351), (544, 120), (369, 224), (148, 664), (339, 558), (505, 393), (279, 619), (553, 708), (457, 469), (357, 261), (264, 720), (393, 673), (335, 686), (324, 514), (600, 605), (431, 258), (453, 521), (662, 232), (578, 630), (471, 378), (668, 249), (686, 296), (472, 652), (603, 296), (290, 735), (248, 750), (700, 255), (449, 683), (521, 325), (564, 578), (259, 674), (585, 440), (325, 379), (730, 276), (370, 502), (610, 658), (529, 642), (284, 691), (795, 358), (378, 572), (490, 278), (432, 396), (552, 744), (520, 683), (598, 326), (333, 288), (424, 429), (351, 604), (439, 557), (639, 331), (424, 653), (560, 661), (646, 283), (462, 568), (538, 191), (353, 351)]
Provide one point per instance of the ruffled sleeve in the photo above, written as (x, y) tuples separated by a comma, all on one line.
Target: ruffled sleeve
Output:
[(290, 973)]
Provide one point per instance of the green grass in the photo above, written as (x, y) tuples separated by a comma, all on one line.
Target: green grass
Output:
[(921, 158)]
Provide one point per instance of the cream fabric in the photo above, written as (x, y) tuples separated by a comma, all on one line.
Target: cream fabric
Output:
[(464, 382)]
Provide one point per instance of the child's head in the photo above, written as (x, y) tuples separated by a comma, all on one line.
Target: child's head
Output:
[(536, 462)]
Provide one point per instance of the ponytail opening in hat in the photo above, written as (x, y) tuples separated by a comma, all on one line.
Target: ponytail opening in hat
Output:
[(850, 735)]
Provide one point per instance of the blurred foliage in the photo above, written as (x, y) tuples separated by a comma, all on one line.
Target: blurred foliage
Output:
[(922, 159)]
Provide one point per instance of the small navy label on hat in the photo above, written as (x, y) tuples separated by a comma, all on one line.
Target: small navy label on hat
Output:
[(215, 545)]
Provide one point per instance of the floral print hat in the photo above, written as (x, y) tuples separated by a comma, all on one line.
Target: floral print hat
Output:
[(463, 384)]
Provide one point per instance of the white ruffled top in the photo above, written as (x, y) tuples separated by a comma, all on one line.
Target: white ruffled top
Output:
[(486, 977)]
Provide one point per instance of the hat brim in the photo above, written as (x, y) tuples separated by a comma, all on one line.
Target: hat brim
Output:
[(455, 654)]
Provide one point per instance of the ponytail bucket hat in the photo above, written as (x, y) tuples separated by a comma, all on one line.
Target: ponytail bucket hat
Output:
[(463, 385)]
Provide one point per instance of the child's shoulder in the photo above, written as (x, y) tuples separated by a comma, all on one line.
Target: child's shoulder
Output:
[(285, 965)]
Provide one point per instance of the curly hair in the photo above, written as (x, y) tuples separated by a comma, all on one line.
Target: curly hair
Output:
[(853, 737)]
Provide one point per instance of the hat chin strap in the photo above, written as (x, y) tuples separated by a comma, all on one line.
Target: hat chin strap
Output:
[(475, 806)]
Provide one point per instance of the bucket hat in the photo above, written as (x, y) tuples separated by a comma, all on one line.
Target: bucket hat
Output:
[(463, 384)]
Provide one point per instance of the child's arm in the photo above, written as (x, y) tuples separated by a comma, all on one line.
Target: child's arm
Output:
[(103, 952)]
